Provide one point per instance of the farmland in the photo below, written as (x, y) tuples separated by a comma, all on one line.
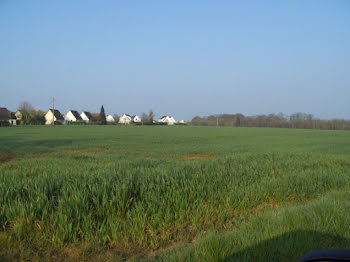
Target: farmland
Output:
[(109, 193)]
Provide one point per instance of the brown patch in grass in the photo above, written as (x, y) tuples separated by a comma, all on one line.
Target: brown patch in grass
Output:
[(70, 253), (272, 203), (94, 252), (192, 157), (6, 156)]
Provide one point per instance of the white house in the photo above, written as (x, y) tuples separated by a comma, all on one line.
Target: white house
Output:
[(110, 119), (125, 119), (53, 115), (86, 116), (136, 119), (19, 115), (12, 119), (72, 116), (182, 121), (167, 119)]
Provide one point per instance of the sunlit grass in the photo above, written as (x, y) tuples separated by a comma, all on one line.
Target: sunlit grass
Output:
[(140, 189)]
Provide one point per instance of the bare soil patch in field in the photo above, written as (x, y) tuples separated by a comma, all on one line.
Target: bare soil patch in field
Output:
[(192, 157), (6, 156)]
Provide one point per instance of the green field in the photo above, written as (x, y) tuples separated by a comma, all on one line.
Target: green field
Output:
[(110, 193)]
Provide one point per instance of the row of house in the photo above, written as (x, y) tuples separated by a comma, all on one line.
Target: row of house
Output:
[(73, 116), (127, 119), (54, 115)]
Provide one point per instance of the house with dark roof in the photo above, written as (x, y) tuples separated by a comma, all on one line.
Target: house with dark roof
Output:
[(53, 115), (7, 118), (125, 119), (169, 120), (86, 116), (4, 114), (136, 119), (72, 116)]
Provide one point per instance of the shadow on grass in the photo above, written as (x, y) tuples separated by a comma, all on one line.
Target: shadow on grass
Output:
[(18, 145), (290, 246)]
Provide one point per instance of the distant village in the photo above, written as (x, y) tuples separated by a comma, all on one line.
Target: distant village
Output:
[(54, 116), (27, 115)]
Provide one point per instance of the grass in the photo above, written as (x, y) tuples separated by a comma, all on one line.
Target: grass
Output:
[(112, 193)]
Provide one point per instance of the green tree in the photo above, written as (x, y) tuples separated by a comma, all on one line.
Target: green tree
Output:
[(38, 118), (102, 117)]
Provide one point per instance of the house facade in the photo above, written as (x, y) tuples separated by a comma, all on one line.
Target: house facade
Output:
[(12, 119), (86, 116), (19, 115), (168, 120), (53, 115), (125, 119), (136, 119), (110, 119), (72, 116)]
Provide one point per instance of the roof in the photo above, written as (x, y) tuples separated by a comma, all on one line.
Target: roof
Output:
[(95, 115), (57, 114), (88, 115), (4, 113), (168, 119), (76, 115)]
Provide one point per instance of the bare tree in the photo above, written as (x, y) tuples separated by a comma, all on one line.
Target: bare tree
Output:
[(144, 118), (150, 116), (27, 110), (116, 118), (26, 106)]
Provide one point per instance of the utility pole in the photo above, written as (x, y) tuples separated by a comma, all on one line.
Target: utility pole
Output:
[(53, 111)]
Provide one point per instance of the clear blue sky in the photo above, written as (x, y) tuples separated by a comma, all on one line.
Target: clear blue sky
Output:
[(183, 58)]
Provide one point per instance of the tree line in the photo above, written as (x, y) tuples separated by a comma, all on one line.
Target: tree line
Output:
[(296, 120)]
